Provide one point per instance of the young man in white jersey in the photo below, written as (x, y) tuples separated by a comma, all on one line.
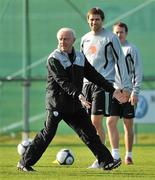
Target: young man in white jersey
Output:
[(103, 50), (125, 110)]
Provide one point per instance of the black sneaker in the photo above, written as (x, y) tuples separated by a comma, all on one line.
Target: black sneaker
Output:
[(24, 168), (112, 165), (117, 163)]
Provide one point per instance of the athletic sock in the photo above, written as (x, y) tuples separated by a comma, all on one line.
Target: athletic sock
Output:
[(115, 153), (128, 154)]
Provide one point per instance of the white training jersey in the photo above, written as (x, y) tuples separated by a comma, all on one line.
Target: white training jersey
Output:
[(134, 65), (103, 51)]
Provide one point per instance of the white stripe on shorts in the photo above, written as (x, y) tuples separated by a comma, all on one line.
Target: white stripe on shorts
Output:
[(107, 102)]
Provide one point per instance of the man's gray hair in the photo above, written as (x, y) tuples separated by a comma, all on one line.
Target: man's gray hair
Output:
[(64, 29)]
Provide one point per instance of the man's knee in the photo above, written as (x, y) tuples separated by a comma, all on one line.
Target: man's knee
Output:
[(111, 122)]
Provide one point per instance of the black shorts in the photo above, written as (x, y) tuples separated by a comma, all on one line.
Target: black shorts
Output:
[(125, 110), (99, 99)]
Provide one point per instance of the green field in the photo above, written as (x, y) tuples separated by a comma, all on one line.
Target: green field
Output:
[(143, 168), (44, 19)]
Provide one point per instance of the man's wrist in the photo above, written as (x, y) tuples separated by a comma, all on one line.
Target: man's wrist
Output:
[(81, 97)]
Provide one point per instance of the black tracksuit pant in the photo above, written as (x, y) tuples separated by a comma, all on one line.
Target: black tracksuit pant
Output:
[(81, 124)]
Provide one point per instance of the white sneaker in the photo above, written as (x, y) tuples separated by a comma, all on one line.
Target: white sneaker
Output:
[(95, 165), (23, 168)]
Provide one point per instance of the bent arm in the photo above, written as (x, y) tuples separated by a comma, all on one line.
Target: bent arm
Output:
[(92, 75)]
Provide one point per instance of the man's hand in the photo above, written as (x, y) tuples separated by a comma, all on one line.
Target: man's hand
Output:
[(133, 99), (121, 95), (127, 94), (84, 102)]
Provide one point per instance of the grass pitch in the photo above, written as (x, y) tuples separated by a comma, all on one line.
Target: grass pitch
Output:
[(143, 155)]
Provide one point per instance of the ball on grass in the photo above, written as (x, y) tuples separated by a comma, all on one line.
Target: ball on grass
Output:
[(65, 157)]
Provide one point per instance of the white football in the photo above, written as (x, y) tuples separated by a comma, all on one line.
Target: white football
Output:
[(21, 148), (65, 157)]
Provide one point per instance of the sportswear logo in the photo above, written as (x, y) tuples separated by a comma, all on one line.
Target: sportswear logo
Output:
[(55, 113), (99, 110), (92, 49), (130, 114), (88, 40)]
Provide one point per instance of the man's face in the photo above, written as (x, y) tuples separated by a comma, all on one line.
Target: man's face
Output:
[(66, 41), (121, 33), (95, 22)]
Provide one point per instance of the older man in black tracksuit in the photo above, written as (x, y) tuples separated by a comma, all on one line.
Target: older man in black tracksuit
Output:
[(64, 100)]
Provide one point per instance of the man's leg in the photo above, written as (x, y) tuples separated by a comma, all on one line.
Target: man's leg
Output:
[(113, 134), (41, 141), (81, 123), (97, 121), (128, 139), (100, 106), (97, 97)]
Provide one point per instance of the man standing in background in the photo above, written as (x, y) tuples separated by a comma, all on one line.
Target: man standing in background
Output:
[(125, 110), (103, 50)]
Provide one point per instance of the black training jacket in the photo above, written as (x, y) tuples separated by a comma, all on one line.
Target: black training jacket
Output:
[(65, 80)]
